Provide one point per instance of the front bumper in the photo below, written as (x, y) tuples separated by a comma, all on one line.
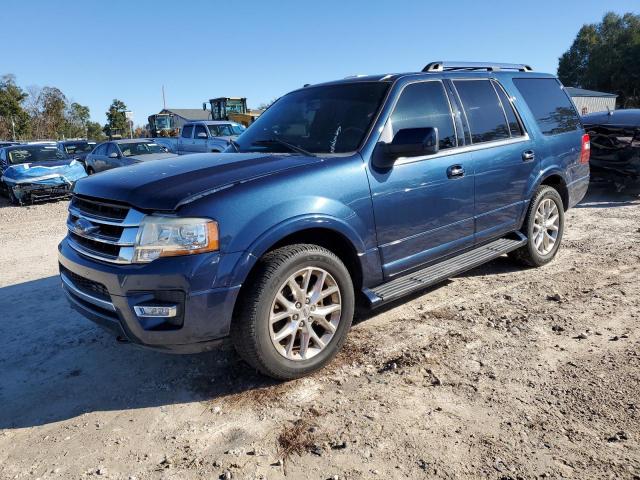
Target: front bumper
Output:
[(198, 284), (33, 192)]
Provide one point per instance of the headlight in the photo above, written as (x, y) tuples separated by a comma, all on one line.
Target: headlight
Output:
[(168, 237)]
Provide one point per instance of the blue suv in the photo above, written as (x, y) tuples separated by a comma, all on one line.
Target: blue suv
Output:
[(370, 187)]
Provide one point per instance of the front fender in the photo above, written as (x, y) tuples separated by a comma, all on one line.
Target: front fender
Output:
[(287, 227)]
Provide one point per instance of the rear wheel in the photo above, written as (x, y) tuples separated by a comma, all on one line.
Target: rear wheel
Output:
[(543, 226), (294, 314)]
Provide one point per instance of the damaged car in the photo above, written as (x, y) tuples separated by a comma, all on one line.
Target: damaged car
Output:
[(36, 172), (615, 146)]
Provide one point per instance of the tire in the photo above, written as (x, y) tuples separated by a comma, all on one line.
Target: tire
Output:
[(12, 197), (531, 254), (254, 327)]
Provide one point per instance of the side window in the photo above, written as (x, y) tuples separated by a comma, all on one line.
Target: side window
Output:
[(550, 105), (100, 149), (514, 125), (111, 148), (187, 130), (213, 130), (200, 129), (422, 105), (484, 112)]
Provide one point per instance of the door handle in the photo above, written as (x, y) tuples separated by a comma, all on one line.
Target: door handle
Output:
[(455, 171), (528, 155)]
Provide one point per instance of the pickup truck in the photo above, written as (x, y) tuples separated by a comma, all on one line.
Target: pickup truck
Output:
[(366, 188), (207, 136)]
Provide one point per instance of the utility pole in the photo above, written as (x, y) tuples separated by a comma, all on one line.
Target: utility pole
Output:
[(164, 102), (13, 128)]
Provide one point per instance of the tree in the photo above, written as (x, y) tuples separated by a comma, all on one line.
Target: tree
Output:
[(95, 132), (77, 117), (14, 120), (604, 57), (117, 123)]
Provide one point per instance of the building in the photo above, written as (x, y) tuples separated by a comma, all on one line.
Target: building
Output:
[(590, 101), (183, 115)]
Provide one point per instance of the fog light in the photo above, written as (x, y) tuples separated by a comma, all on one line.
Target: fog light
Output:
[(164, 311)]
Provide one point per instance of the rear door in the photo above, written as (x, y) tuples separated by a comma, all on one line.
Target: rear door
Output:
[(503, 156), (423, 206)]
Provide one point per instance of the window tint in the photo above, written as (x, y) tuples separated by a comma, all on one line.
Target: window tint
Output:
[(213, 130), (550, 105), (200, 129), (484, 112), (424, 105), (187, 130), (514, 125), (100, 149), (112, 149)]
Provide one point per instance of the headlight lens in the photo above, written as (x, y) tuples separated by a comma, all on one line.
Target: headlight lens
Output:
[(168, 237)]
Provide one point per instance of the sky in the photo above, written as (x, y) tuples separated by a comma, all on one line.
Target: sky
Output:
[(97, 51)]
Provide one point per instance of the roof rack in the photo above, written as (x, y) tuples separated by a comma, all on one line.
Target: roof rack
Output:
[(474, 66)]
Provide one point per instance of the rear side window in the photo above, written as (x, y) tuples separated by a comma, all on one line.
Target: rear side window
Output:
[(484, 112), (101, 149), (514, 125), (549, 104), (424, 105), (187, 130)]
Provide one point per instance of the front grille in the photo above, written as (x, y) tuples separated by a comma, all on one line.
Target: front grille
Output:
[(100, 209), (102, 229), (89, 287), (95, 246)]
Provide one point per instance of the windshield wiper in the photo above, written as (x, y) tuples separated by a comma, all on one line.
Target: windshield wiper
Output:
[(284, 143)]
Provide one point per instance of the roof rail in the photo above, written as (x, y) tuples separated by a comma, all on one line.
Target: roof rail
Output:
[(442, 66)]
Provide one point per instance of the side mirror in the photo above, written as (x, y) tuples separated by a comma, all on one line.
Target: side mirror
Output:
[(202, 135), (114, 155), (413, 142), (408, 142)]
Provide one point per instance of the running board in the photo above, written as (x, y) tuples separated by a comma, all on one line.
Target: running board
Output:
[(441, 271)]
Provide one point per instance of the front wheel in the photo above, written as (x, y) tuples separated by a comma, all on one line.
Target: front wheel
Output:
[(295, 311), (543, 226)]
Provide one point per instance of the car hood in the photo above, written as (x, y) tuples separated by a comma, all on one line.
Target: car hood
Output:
[(151, 156), (167, 184), (56, 172)]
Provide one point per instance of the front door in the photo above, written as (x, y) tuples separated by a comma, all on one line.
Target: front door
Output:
[(423, 206), (200, 138)]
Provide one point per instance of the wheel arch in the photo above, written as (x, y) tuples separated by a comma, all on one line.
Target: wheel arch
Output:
[(555, 179), (330, 233)]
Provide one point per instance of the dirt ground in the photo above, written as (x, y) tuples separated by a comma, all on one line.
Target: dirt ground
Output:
[(501, 373)]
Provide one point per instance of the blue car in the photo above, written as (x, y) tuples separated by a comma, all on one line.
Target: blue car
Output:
[(367, 188), (35, 172)]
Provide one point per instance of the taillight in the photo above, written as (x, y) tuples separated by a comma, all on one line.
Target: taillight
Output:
[(585, 151)]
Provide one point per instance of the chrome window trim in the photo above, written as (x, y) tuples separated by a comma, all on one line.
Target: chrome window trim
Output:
[(446, 94), (512, 101), (68, 284), (465, 149)]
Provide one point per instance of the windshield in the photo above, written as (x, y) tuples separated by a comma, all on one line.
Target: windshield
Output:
[(234, 106), (226, 130), (32, 154), (140, 148), (326, 119), (163, 122), (83, 147)]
